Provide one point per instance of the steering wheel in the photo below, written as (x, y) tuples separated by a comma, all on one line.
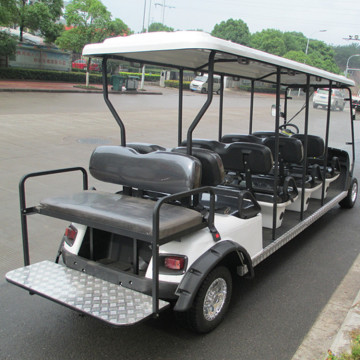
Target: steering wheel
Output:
[(285, 126)]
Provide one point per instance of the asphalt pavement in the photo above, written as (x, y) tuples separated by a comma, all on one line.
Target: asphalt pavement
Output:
[(339, 317)]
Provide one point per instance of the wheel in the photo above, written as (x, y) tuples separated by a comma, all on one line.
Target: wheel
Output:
[(315, 106), (211, 302), (203, 90), (350, 199), (218, 92), (284, 126)]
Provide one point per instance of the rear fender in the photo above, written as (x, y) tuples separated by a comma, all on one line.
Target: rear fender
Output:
[(198, 271)]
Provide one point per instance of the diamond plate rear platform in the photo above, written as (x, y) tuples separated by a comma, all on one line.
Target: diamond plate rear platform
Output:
[(108, 302)]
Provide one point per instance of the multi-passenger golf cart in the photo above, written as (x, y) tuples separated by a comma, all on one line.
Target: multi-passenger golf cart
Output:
[(188, 219)]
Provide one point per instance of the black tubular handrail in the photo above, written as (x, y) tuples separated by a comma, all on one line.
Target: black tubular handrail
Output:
[(24, 211), (205, 106), (156, 227), (110, 105)]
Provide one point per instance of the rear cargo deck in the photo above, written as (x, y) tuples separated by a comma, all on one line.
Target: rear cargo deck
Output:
[(87, 294)]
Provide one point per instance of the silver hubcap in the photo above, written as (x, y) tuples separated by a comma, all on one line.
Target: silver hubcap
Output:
[(354, 191), (215, 299)]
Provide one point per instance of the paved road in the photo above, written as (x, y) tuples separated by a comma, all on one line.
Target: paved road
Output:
[(269, 316)]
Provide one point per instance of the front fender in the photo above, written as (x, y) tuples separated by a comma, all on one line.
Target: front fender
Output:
[(198, 271)]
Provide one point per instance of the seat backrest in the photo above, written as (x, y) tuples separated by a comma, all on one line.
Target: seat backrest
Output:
[(265, 134), (230, 138), (240, 156), (316, 145), (158, 171), (212, 168), (243, 156), (290, 149), (144, 148)]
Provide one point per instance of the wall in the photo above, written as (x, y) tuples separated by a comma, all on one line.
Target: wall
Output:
[(40, 57)]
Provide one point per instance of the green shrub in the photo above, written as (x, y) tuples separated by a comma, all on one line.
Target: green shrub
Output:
[(77, 76), (47, 75), (148, 77), (175, 84)]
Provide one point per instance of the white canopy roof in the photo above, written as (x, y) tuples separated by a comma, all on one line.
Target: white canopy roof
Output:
[(191, 49)]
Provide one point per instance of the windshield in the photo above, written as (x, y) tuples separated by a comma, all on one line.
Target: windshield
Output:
[(201, 78), (322, 91)]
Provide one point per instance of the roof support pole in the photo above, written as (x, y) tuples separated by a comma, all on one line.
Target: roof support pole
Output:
[(221, 106), (276, 169), (109, 104), (205, 106), (180, 109), (305, 160), (352, 118), (252, 106), (327, 130), (286, 104)]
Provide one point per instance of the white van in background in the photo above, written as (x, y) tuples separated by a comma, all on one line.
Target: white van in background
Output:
[(200, 83)]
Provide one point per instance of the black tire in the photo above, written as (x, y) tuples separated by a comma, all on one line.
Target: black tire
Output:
[(203, 90), (350, 199), (209, 308)]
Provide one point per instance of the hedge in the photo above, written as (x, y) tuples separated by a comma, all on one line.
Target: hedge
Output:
[(62, 76), (148, 77), (175, 84), (47, 75)]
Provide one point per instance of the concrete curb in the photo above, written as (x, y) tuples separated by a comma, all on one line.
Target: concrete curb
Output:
[(82, 91), (342, 341)]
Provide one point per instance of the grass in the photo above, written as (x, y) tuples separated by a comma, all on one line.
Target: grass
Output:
[(355, 349)]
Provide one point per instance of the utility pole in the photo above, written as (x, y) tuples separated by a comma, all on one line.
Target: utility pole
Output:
[(163, 9)]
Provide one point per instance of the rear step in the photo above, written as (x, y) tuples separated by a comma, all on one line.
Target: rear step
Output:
[(101, 299)]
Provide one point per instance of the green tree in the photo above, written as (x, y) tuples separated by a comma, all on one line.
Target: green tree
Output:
[(36, 16), (235, 30), (6, 12), (7, 42), (90, 22), (343, 53), (154, 27), (7, 46), (294, 41), (298, 56), (270, 40), (292, 45)]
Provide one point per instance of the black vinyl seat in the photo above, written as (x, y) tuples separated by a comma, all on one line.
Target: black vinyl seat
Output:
[(159, 171), (242, 204), (145, 148), (230, 138), (245, 164)]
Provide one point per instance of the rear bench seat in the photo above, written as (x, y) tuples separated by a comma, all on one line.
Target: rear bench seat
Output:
[(158, 171)]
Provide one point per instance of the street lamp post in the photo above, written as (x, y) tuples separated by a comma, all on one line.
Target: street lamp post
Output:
[(307, 48), (308, 40), (347, 64)]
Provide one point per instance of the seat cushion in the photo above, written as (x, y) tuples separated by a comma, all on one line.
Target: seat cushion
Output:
[(120, 213)]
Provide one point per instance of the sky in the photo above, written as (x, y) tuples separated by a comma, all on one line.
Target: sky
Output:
[(340, 18)]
